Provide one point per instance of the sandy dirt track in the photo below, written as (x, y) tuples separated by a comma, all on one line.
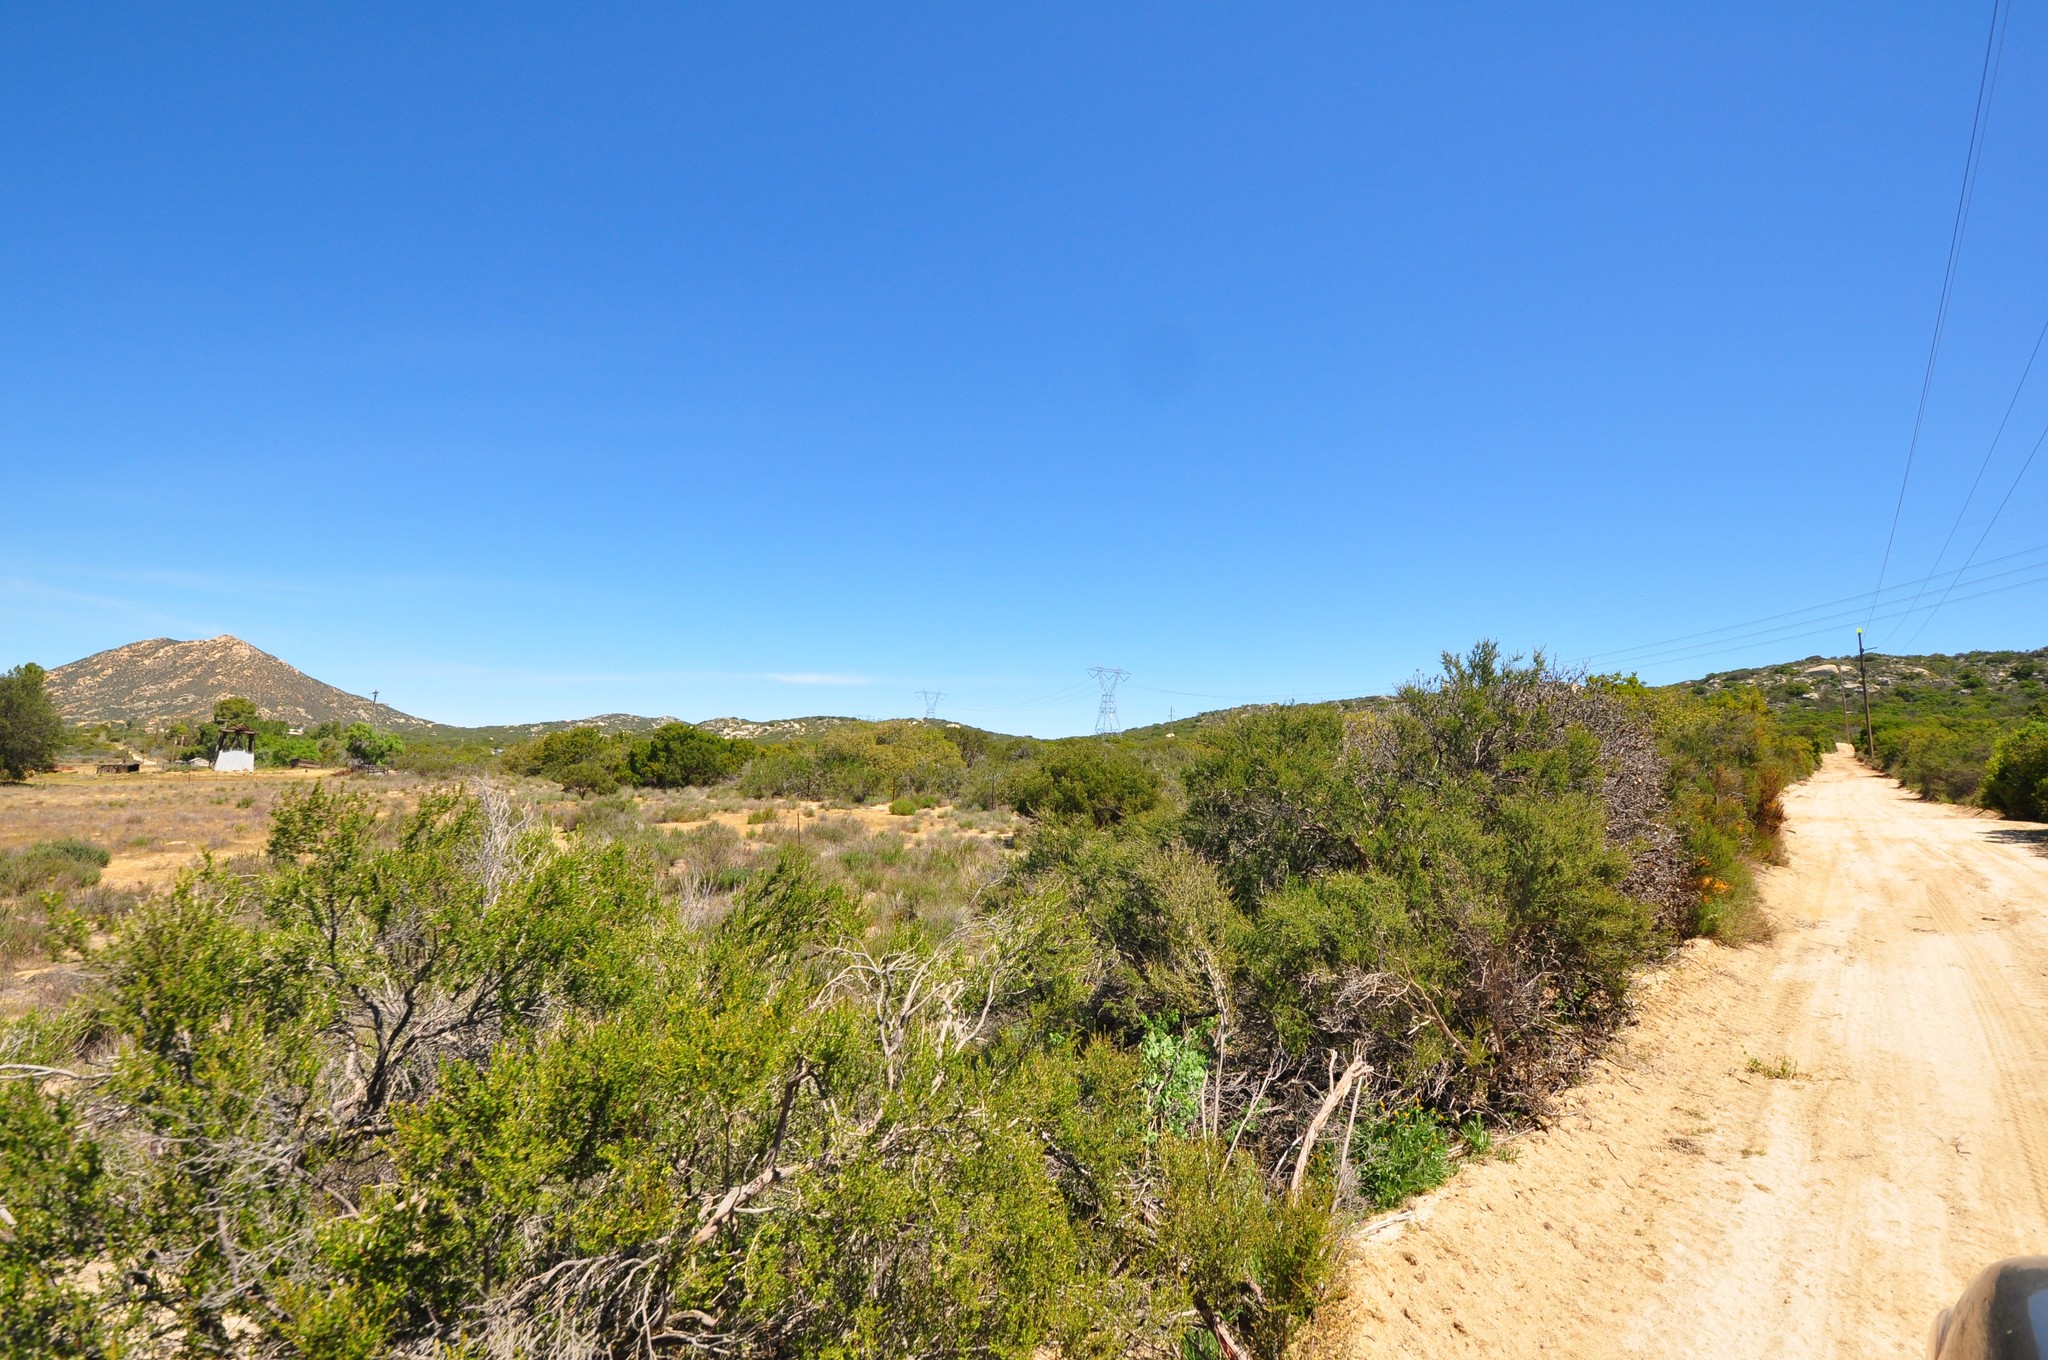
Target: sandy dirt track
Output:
[(1684, 1203)]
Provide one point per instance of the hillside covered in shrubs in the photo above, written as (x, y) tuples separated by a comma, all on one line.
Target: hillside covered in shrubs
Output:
[(467, 1083)]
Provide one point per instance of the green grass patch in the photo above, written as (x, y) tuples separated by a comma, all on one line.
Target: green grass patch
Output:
[(46, 865), (1777, 1069)]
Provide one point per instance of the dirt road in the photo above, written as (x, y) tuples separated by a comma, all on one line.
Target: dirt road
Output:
[(1691, 1201)]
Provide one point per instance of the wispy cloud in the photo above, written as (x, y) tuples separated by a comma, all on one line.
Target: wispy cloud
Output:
[(460, 670), (463, 670), (291, 588), (24, 589)]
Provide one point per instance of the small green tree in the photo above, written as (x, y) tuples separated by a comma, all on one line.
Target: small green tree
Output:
[(678, 754), (30, 730), (237, 711), (370, 746)]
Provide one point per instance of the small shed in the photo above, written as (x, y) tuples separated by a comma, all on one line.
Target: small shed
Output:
[(120, 766)]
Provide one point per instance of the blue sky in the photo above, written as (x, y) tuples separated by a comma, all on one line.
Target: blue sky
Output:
[(526, 362)]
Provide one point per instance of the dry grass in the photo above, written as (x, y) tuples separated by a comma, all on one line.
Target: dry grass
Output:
[(927, 868), (153, 826), (757, 815)]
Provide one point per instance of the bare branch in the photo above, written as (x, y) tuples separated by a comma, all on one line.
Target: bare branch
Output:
[(1334, 1097), (38, 1072)]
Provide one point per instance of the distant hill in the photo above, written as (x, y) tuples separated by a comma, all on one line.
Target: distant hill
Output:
[(775, 729), (1977, 684), (509, 734), (163, 680)]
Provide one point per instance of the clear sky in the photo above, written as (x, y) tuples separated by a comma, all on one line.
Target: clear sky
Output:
[(525, 362)]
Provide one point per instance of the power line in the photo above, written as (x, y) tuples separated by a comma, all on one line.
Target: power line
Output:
[(2003, 501), (1786, 619), (1066, 694), (931, 699), (1814, 620), (1827, 627), (1825, 624), (1822, 627), (1980, 118), (1982, 468), (1268, 698)]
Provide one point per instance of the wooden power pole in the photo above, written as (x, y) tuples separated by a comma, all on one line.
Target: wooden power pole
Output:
[(1863, 671)]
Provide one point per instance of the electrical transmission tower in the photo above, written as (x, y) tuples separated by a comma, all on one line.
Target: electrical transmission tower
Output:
[(931, 699), (1109, 677)]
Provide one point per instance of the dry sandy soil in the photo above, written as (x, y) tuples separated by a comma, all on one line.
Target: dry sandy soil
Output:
[(153, 824), (1690, 1201)]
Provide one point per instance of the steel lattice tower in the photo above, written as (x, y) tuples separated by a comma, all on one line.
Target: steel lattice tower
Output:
[(1109, 677), (931, 699)]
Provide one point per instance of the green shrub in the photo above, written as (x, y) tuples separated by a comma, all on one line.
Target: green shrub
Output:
[(59, 1225), (580, 759), (858, 763), (1254, 1263), (1176, 1073), (1936, 718), (677, 755), (1268, 799), (274, 751), (45, 865), (1942, 758), (1087, 780), (2017, 781), (1728, 762)]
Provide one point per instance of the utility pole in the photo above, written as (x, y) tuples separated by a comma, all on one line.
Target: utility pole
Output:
[(1105, 717), (373, 695), (1869, 738)]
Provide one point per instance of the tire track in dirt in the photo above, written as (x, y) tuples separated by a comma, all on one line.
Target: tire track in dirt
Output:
[(1682, 1201)]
